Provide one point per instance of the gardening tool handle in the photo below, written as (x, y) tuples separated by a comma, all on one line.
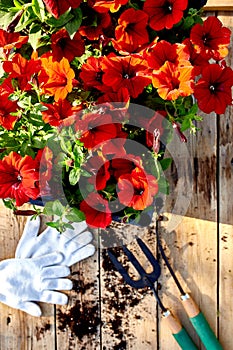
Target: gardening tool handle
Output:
[(200, 324), (179, 333)]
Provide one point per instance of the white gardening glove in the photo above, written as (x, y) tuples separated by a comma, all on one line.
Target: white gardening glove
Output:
[(73, 244), (24, 281)]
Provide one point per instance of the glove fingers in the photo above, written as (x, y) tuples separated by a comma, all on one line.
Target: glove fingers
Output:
[(30, 232), (55, 272), (54, 297), (50, 259), (30, 308), (58, 284), (81, 254), (78, 228), (77, 242)]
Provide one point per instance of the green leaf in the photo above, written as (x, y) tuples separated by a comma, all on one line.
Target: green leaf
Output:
[(163, 185), (34, 38), (53, 224), (6, 18), (48, 208), (61, 21), (165, 163), (58, 208), (73, 25), (39, 9), (74, 176), (75, 215)]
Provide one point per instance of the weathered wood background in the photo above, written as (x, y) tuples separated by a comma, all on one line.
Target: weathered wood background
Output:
[(105, 314)]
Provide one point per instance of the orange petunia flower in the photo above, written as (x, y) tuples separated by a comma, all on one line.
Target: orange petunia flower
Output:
[(105, 6), (56, 78), (9, 41), (173, 81)]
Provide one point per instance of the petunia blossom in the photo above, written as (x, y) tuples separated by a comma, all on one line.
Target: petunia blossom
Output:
[(60, 112), (173, 81), (19, 178), (58, 7), (10, 41), (103, 6), (96, 210), (213, 89), (63, 46), (56, 78), (164, 13), (125, 72), (144, 187), (7, 107), (211, 39), (131, 32), (22, 71)]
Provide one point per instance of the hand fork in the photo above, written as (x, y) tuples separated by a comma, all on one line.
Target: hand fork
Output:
[(148, 280)]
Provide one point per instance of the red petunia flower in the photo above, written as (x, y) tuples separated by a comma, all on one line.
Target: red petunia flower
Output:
[(131, 32), (95, 24), (213, 89), (164, 51), (9, 41), (105, 6), (211, 38), (125, 72), (19, 178), (99, 167), (164, 13), (58, 7), (6, 108), (137, 189), (197, 60), (125, 165), (63, 46), (22, 70), (173, 81), (96, 128), (91, 74), (96, 210), (56, 78), (60, 112)]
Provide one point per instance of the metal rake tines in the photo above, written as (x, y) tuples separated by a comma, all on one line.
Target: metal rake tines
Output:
[(146, 279)]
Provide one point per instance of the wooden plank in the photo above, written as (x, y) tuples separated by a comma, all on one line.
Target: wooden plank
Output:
[(226, 212), (129, 316), (216, 5), (19, 330), (78, 323), (192, 244)]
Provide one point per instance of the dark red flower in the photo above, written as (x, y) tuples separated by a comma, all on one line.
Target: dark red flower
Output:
[(197, 60), (63, 46), (213, 89), (125, 72), (164, 13), (125, 165), (58, 7), (60, 112), (96, 128), (95, 24), (131, 32), (211, 38), (96, 210), (137, 189), (91, 74), (98, 166), (44, 159), (19, 178), (7, 120)]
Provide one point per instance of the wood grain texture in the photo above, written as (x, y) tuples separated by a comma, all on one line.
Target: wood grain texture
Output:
[(226, 211), (224, 5)]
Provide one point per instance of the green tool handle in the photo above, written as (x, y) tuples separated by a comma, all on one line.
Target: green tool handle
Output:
[(179, 333), (200, 324)]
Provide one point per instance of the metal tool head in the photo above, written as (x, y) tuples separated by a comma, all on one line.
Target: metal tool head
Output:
[(146, 279)]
